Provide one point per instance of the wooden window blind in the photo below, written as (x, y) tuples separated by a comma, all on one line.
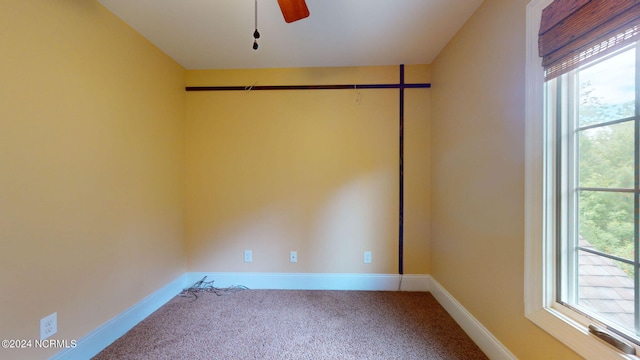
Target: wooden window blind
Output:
[(573, 31)]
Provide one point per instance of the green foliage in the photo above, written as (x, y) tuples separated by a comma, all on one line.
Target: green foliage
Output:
[(606, 154)]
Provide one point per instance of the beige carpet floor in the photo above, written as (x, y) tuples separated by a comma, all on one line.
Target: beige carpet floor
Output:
[(297, 324)]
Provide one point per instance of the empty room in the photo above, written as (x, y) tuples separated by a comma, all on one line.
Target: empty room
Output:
[(325, 171)]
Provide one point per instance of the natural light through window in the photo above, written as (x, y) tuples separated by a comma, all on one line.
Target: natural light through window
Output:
[(582, 193), (594, 116)]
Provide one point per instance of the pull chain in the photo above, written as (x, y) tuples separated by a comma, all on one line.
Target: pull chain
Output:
[(256, 34)]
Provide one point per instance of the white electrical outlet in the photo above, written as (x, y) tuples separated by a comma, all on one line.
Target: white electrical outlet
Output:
[(293, 256), (248, 256), (48, 325), (367, 257)]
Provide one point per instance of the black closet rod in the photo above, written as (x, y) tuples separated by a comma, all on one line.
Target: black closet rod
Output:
[(309, 87)]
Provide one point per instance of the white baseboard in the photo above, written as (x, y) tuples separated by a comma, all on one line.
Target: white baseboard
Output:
[(476, 331), (410, 282), (311, 281), (103, 336)]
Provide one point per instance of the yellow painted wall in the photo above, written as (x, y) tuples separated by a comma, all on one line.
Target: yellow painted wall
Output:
[(91, 168), (310, 171), (417, 173), (477, 155)]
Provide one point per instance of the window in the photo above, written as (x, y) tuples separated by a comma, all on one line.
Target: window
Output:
[(582, 252), (592, 113)]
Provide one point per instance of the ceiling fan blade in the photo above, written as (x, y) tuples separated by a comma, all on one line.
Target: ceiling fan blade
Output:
[(293, 10)]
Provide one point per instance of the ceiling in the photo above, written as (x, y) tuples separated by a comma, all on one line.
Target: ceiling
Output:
[(218, 34)]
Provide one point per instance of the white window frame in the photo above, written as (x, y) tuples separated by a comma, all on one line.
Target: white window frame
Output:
[(567, 326)]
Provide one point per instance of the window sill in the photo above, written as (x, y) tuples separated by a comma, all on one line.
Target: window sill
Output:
[(575, 335)]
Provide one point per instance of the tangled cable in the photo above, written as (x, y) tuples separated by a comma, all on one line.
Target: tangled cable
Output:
[(207, 286)]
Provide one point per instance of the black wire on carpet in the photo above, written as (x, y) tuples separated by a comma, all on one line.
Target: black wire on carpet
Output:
[(207, 286)]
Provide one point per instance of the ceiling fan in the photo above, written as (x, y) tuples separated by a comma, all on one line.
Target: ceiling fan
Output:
[(292, 10)]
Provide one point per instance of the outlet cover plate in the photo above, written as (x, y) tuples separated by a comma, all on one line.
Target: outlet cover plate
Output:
[(48, 326)]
